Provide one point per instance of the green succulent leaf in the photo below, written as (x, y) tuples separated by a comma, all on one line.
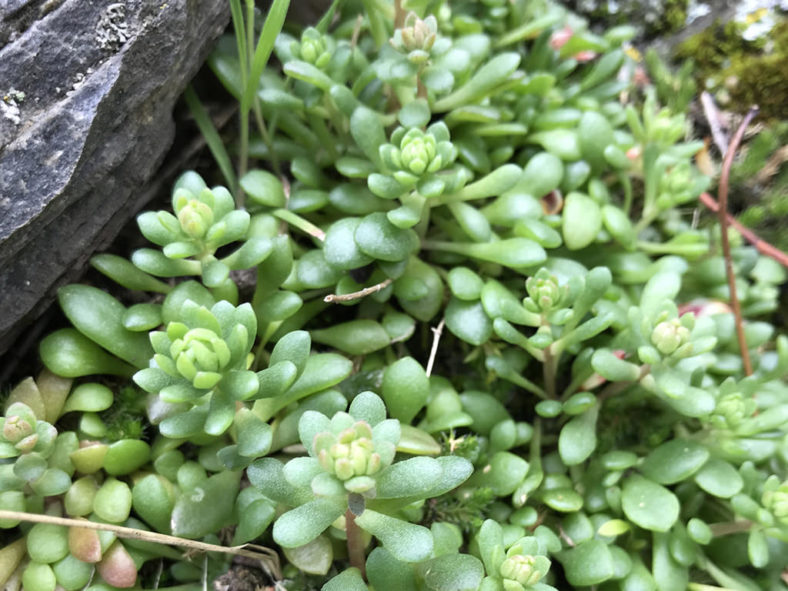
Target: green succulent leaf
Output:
[(303, 524), (649, 505), (405, 541)]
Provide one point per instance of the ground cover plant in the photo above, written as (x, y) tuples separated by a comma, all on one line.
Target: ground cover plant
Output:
[(456, 328)]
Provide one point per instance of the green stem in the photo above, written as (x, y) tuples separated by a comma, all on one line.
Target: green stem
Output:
[(548, 370), (445, 246), (297, 221), (730, 527), (576, 382), (258, 116), (627, 184)]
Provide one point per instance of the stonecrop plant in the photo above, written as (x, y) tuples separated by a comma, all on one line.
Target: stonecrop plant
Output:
[(456, 328)]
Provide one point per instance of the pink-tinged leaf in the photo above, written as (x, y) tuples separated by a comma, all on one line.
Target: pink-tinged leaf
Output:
[(117, 568), (84, 544)]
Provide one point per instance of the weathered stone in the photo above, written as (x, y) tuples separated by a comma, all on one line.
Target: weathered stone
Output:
[(87, 89)]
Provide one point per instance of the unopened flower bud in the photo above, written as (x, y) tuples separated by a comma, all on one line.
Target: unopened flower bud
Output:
[(417, 151), (417, 34), (522, 569), (195, 218), (16, 428), (669, 335), (544, 291), (776, 501), (199, 356), (733, 409), (348, 454), (313, 48)]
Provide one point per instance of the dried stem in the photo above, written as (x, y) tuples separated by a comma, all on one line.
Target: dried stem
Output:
[(436, 338), (355, 543), (266, 555), (712, 114), (726, 247), (759, 243), (333, 298)]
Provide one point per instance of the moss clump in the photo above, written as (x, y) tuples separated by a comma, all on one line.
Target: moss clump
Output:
[(763, 174), (659, 18), (745, 72)]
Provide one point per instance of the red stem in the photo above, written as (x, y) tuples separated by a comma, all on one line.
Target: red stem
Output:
[(726, 247), (355, 543), (764, 247)]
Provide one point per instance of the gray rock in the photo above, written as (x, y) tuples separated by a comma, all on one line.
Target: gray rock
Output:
[(86, 95)]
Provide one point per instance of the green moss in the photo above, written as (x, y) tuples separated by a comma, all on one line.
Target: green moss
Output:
[(750, 72), (674, 17), (659, 18)]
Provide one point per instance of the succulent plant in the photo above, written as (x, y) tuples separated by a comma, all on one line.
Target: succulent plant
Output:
[(200, 364), (452, 330)]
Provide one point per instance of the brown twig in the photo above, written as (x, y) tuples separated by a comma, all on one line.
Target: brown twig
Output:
[(268, 556), (759, 243), (437, 332), (726, 247), (333, 298)]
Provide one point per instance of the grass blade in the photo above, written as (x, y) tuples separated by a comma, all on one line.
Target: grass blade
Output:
[(208, 130), (271, 28)]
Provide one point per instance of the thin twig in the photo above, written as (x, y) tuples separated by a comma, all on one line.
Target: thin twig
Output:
[(266, 555), (764, 247), (436, 338), (726, 247), (712, 114), (334, 298)]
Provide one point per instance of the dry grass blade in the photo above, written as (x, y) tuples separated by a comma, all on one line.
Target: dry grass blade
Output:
[(267, 556)]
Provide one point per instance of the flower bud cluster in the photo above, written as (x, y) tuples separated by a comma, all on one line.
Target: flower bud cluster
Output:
[(544, 292), (676, 186), (733, 408), (21, 432), (521, 569), (669, 335), (350, 453), (314, 48), (415, 155), (776, 501), (416, 37), (665, 128), (199, 355)]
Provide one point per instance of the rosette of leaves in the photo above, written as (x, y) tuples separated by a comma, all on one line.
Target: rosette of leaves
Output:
[(314, 48), (199, 368), (203, 220), (418, 60), (412, 163), (515, 566), (30, 442), (662, 342), (350, 471), (559, 311)]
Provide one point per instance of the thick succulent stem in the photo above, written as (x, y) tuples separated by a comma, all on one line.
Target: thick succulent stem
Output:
[(355, 543)]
